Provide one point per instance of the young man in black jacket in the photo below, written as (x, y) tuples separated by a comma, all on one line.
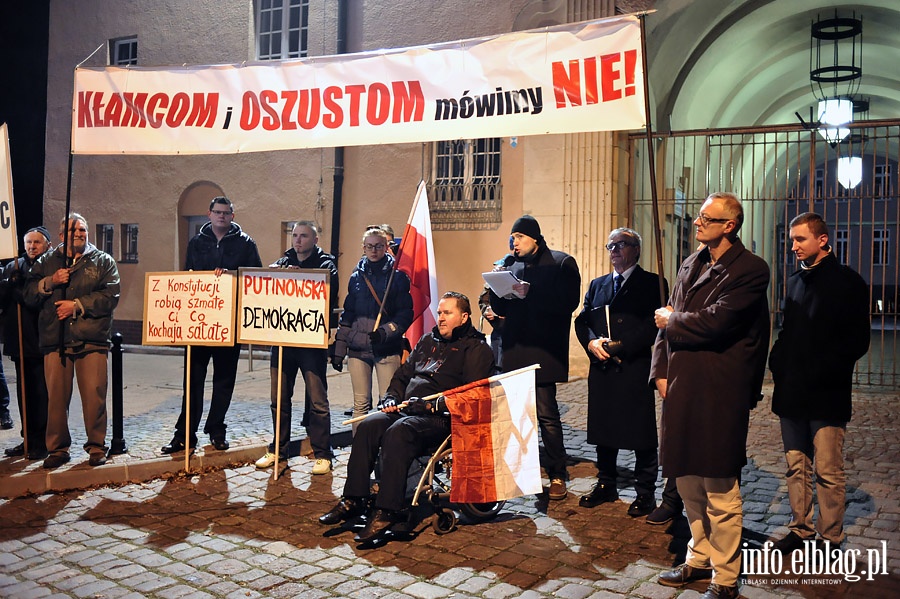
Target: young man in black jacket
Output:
[(221, 245)]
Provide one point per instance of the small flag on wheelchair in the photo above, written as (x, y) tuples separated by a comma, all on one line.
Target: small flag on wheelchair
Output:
[(495, 438)]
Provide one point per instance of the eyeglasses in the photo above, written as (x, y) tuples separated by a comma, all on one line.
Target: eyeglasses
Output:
[(706, 219), (222, 212), (377, 247), (618, 245)]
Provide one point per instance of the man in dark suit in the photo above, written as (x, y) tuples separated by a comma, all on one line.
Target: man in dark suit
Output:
[(536, 331), (617, 331), (708, 365)]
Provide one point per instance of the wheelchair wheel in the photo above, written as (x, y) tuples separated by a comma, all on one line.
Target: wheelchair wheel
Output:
[(444, 521), (482, 511)]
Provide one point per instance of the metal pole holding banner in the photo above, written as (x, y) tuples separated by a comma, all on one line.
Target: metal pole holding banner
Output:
[(188, 425), (651, 165)]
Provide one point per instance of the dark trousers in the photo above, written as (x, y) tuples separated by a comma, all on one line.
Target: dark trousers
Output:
[(225, 361), (645, 468), (311, 363), (400, 439), (4, 392), (551, 431), (30, 373), (670, 496)]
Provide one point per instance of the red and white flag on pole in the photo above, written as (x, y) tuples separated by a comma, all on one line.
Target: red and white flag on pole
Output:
[(495, 438), (416, 259)]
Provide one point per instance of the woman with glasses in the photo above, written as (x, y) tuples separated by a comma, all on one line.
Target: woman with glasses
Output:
[(377, 311)]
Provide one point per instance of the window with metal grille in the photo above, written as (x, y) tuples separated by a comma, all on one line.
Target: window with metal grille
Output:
[(282, 27), (129, 243), (465, 190), (881, 247), (123, 51), (882, 181), (105, 238)]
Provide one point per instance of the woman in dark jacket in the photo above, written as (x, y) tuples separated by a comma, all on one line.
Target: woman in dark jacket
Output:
[(373, 321)]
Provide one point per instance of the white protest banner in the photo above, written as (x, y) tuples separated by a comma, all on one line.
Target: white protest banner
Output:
[(283, 306), (188, 308), (8, 237), (562, 79)]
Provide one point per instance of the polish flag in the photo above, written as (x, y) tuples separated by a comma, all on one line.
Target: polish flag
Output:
[(494, 434), (415, 257)]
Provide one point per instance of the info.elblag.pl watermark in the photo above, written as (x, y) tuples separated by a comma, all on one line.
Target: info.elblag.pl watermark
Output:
[(815, 563)]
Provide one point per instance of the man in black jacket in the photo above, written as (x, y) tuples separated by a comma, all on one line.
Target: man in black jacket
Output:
[(536, 331), (220, 246), (311, 362), (451, 355), (29, 365), (826, 330), (617, 331)]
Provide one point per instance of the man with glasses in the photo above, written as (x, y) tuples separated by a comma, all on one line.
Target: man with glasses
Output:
[(708, 365), (617, 331), (220, 245)]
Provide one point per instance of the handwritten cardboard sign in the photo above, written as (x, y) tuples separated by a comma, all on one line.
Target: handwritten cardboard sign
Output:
[(189, 308), (283, 306)]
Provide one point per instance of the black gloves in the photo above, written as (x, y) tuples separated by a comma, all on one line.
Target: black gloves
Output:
[(378, 336), (337, 362), (416, 406), (388, 401)]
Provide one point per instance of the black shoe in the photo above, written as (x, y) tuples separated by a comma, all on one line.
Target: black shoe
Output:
[(346, 509), (174, 446), (643, 505), (36, 454), (6, 422), (790, 543), (380, 521), (664, 514), (717, 591), (219, 443), (684, 574), (55, 460), (14, 452), (601, 493)]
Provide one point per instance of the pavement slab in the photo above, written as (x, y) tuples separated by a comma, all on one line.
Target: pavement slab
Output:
[(141, 526)]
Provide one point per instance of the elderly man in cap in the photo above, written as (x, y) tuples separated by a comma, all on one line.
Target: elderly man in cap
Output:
[(538, 319), (29, 362)]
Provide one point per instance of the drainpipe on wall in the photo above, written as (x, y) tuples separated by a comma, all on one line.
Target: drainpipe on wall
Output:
[(338, 190)]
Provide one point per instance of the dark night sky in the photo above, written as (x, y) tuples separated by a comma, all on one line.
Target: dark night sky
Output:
[(23, 101)]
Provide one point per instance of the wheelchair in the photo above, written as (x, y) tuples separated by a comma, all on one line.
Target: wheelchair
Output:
[(434, 489)]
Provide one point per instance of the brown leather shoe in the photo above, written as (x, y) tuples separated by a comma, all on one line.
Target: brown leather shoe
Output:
[(557, 489), (716, 591), (346, 509), (684, 574)]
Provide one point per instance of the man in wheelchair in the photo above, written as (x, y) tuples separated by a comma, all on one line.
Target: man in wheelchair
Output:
[(454, 353)]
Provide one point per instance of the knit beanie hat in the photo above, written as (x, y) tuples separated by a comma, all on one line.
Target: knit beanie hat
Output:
[(527, 225), (42, 230)]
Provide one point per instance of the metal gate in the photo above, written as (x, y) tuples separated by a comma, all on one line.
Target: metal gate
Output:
[(779, 172)]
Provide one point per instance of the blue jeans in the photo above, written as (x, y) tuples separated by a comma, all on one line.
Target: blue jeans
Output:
[(822, 442), (311, 363)]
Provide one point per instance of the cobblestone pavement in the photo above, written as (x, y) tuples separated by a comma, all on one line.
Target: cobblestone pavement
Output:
[(228, 530)]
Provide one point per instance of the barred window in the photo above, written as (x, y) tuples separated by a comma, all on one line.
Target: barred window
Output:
[(129, 243), (123, 51), (466, 190), (105, 238), (841, 247), (881, 247), (282, 28)]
